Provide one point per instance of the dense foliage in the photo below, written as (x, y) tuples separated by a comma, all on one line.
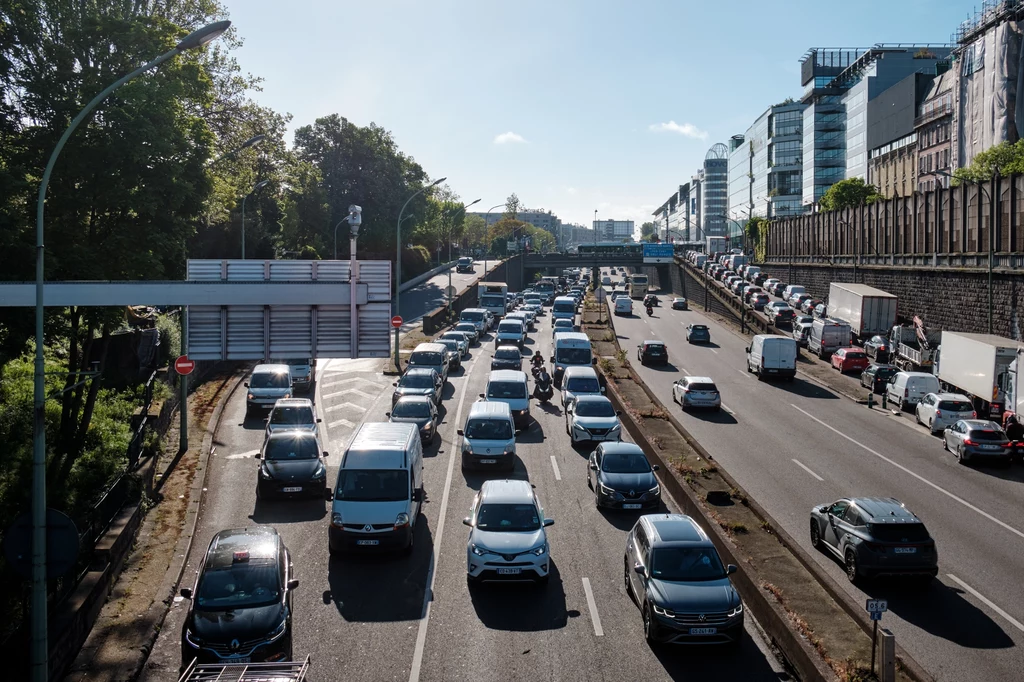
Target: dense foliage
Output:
[(848, 193)]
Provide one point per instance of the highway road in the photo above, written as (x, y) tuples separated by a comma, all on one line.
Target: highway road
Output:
[(395, 618), (421, 299), (797, 445)]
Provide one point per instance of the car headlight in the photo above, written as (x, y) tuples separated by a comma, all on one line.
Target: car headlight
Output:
[(287, 395), (320, 472), (401, 521), (662, 612), (478, 550), (736, 611), (540, 550), (251, 397), (606, 490), (428, 426), (336, 519), (278, 631), (265, 472), (192, 638), (617, 427), (656, 490)]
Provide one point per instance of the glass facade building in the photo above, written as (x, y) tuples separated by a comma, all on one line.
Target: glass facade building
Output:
[(715, 191), (765, 165)]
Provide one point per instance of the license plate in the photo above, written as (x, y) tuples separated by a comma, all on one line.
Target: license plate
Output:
[(703, 631), (368, 543), (632, 506), (904, 550), (293, 489), (488, 461), (509, 571), (990, 447), (232, 661)]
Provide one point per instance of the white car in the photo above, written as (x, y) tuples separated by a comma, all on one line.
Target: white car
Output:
[(460, 339), (696, 392), (592, 418), (623, 306), (579, 380), (292, 414), (562, 325), (507, 540), (940, 410)]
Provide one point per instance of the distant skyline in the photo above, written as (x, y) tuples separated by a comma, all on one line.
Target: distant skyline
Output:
[(572, 105)]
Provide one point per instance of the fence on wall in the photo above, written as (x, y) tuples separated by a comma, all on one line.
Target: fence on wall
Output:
[(952, 227)]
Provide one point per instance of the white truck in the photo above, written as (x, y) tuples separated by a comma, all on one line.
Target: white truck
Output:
[(976, 365), (867, 310), (492, 297), (1013, 388), (716, 245)]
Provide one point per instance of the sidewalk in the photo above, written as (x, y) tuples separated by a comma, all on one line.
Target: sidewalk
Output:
[(119, 643)]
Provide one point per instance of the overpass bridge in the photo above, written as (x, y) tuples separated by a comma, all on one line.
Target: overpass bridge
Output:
[(539, 261)]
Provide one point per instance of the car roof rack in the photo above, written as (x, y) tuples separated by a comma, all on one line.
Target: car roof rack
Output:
[(287, 671)]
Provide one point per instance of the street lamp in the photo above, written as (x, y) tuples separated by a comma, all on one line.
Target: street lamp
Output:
[(487, 246), (398, 259), (255, 139), (451, 228), (259, 185), (39, 650)]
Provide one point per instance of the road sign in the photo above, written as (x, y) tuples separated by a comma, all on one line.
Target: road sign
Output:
[(877, 605), (396, 321), (451, 292), (183, 365), (876, 615), (658, 253)]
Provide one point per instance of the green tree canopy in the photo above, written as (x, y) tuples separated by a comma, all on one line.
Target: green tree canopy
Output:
[(1006, 158), (647, 229), (848, 193)]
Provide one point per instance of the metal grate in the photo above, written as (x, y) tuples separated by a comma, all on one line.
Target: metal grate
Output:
[(290, 671)]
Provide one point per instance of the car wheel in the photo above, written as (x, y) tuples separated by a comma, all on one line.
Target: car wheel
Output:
[(625, 577), (960, 455), (917, 416), (852, 570), (815, 535), (931, 426), (650, 627), (945, 445)]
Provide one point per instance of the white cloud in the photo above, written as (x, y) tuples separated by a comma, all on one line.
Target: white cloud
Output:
[(508, 137), (685, 129)]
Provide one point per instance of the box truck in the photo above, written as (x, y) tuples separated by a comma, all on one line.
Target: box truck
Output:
[(867, 310), (492, 297), (976, 365), (716, 245), (1013, 387)]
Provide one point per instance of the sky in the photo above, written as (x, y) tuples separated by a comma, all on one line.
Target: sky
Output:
[(574, 105)]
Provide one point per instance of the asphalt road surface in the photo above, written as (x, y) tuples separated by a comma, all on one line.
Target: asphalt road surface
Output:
[(421, 299), (395, 618), (796, 445)]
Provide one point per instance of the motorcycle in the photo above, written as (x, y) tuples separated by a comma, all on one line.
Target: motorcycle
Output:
[(650, 310), (543, 390)]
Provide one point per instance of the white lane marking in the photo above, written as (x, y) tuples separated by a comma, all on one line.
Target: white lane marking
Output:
[(746, 374), (713, 351), (1013, 621), (341, 422), (345, 406), (728, 409), (428, 594), (916, 475), (346, 380), (805, 468), (684, 370), (592, 605), (244, 455), (346, 392), (554, 465)]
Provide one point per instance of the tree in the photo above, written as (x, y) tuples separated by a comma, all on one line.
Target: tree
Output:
[(1006, 158), (648, 229), (513, 206), (848, 193), (474, 234)]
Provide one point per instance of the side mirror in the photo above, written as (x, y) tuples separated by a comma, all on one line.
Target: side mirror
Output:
[(394, 383), (730, 569), (328, 494), (387, 414), (549, 522), (246, 384), (640, 570), (655, 468), (593, 467), (417, 495), (480, 394), (467, 522), (460, 432), (318, 420), (551, 359), (602, 389), (326, 454), (748, 349), (293, 583), (258, 455), (186, 592)]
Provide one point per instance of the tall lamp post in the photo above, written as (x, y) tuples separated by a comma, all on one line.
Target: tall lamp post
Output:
[(39, 649), (449, 290), (398, 259), (487, 247), (994, 216), (259, 185), (254, 140)]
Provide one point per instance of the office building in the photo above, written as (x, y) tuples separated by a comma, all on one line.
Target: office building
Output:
[(613, 230), (714, 191), (574, 234), (934, 129), (545, 220), (672, 218), (892, 137)]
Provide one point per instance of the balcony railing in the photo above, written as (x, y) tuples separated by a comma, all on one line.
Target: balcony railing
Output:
[(934, 114)]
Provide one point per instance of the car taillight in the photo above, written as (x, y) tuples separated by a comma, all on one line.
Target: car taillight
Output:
[(874, 546), (974, 415), (938, 414), (906, 393), (968, 441)]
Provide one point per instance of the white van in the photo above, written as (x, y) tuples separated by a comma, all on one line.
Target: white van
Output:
[(907, 388), (571, 348), (792, 290), (772, 356), (579, 381), (510, 386), (431, 356), (827, 336), (379, 491), (564, 307), (489, 437), (478, 316), (623, 305)]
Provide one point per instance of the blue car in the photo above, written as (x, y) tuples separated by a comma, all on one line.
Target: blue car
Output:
[(698, 333)]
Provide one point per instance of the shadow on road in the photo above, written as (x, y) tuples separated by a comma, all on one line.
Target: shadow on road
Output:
[(500, 607), (475, 477), (255, 420), (288, 511), (803, 388), (357, 582), (741, 664), (712, 416)]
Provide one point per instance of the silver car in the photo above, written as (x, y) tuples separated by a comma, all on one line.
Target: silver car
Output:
[(939, 410), (970, 439), (592, 418), (507, 540), (561, 325), (292, 414), (696, 392), (460, 339), (267, 385)]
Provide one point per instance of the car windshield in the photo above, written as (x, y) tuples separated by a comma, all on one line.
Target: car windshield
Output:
[(453, 336), (899, 532), (508, 518), (417, 381), (489, 429), (563, 323), (466, 327), (565, 307), (472, 317), (625, 463), (508, 354), (297, 361), (655, 348), (285, 449), (373, 485), (510, 328), (686, 563), (506, 389), (583, 385), (249, 583), (594, 408), (269, 380), (426, 358), (699, 386), (572, 356), (987, 434), (856, 355), (291, 415), (450, 344), (415, 409), (489, 301)]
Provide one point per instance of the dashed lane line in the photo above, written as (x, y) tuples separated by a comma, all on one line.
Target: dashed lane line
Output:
[(1013, 621), (807, 469), (554, 465), (595, 617)]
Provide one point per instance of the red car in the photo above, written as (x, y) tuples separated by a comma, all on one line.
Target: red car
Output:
[(850, 360)]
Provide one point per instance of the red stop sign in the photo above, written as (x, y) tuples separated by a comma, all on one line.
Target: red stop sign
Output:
[(396, 321), (183, 365)]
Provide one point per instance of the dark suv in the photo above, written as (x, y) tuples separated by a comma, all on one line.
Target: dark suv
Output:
[(241, 605), (674, 573), (874, 536), (652, 352)]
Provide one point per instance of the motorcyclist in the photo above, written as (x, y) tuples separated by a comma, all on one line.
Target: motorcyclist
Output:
[(1015, 433), (537, 360), (650, 309)]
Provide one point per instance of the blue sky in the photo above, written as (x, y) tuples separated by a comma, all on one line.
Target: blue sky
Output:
[(573, 105)]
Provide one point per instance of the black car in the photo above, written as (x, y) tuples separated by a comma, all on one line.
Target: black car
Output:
[(876, 376), (622, 478), (418, 381), (674, 574), (652, 352), (877, 347), (651, 300), (419, 410), (698, 333), (240, 608), (291, 465), (874, 536), (507, 357)]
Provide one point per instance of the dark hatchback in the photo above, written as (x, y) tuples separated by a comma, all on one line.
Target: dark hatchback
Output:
[(291, 465), (240, 608), (652, 353), (698, 333), (507, 357), (419, 410), (622, 478), (877, 376), (418, 381)]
